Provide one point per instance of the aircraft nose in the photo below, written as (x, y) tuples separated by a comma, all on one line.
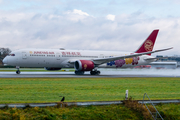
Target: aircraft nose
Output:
[(5, 60)]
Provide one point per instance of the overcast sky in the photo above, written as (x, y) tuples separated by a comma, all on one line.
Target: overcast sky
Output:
[(116, 25)]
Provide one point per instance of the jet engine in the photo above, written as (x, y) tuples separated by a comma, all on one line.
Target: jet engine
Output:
[(51, 68), (84, 65)]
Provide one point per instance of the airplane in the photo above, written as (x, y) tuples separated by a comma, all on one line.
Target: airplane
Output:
[(83, 60)]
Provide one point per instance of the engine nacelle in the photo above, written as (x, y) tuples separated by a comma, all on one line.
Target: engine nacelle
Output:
[(51, 68), (83, 65)]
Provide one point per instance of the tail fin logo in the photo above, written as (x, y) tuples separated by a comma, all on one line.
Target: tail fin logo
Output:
[(148, 45)]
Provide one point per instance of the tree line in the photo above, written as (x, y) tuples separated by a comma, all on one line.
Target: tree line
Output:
[(3, 53)]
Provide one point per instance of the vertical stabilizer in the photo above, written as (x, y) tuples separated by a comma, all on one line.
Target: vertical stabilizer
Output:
[(148, 43)]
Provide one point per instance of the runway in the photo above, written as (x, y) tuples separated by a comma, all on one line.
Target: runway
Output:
[(112, 73)]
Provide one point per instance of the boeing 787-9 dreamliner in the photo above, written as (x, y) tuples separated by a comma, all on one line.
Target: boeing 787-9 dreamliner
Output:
[(83, 60)]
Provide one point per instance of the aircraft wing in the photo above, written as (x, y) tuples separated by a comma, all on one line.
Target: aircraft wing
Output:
[(99, 61)]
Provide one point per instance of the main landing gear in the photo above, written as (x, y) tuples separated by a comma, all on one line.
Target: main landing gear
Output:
[(18, 71), (95, 72), (79, 72)]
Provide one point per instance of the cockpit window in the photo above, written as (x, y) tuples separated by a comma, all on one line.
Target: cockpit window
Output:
[(11, 54)]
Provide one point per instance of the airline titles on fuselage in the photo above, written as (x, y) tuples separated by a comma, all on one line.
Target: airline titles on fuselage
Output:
[(71, 53), (63, 53), (41, 52)]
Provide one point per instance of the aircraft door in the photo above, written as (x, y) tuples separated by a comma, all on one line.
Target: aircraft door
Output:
[(58, 56), (24, 55), (57, 62)]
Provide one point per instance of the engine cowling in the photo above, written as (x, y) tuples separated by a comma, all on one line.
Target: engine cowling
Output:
[(83, 65), (51, 68)]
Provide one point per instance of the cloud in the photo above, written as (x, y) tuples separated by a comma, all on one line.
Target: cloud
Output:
[(79, 12), (76, 15), (77, 29), (110, 17)]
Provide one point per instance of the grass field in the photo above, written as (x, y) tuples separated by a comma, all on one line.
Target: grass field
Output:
[(112, 112), (36, 90), (108, 112)]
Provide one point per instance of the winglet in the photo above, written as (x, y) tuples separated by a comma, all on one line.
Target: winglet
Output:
[(148, 44)]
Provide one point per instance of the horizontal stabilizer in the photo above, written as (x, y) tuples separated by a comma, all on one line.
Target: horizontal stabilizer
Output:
[(150, 59), (155, 58)]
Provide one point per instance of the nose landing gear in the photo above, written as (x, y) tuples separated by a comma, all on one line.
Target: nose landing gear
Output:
[(18, 71)]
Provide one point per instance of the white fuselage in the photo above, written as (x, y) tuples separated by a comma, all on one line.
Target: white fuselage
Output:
[(64, 58)]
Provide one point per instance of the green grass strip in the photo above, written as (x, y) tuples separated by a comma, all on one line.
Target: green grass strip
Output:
[(109, 112), (37, 90)]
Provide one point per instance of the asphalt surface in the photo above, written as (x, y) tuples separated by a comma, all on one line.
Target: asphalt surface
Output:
[(104, 73)]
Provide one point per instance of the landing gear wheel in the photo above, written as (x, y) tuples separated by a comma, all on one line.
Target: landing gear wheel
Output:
[(18, 72), (79, 72), (95, 72), (92, 72)]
